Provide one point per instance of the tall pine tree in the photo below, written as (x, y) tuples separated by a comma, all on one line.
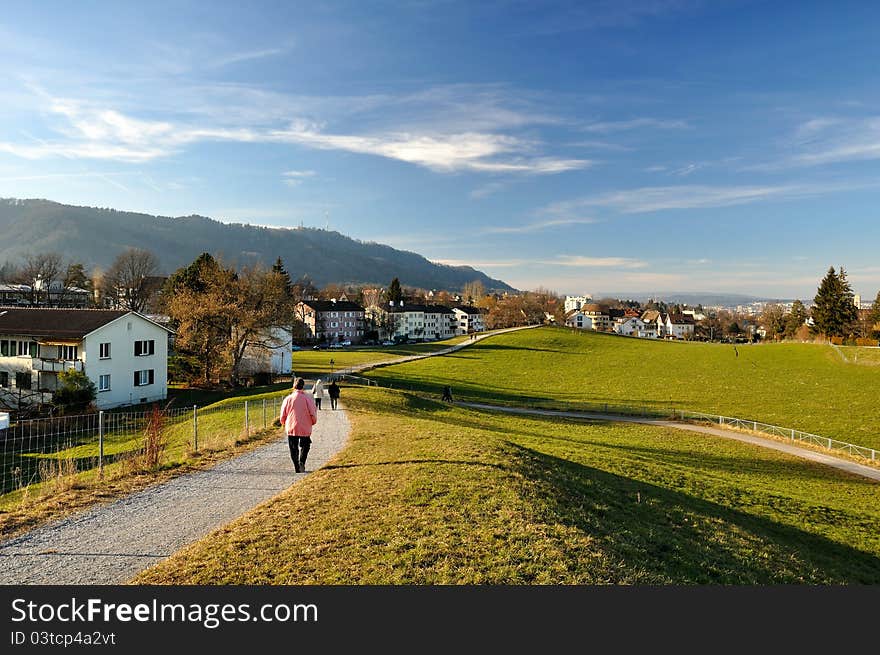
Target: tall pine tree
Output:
[(395, 293), (834, 312)]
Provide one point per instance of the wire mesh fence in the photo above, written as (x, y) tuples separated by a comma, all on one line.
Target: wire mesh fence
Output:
[(38, 452), (659, 412)]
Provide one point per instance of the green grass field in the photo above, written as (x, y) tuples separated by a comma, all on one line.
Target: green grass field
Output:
[(833, 393), (426, 493), (317, 362)]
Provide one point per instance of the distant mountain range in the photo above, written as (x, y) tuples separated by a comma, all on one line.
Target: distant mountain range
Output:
[(691, 298), (96, 236)]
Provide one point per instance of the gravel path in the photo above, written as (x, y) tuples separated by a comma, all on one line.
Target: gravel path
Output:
[(797, 451), (111, 543)]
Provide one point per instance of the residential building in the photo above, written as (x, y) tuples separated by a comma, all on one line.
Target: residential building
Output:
[(124, 353), (468, 319), (576, 302), (599, 316), (633, 326), (577, 319), (678, 326), (332, 320), (439, 322)]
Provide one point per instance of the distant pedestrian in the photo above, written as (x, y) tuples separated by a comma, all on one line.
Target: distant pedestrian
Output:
[(298, 415), (318, 392), (447, 394), (333, 390)]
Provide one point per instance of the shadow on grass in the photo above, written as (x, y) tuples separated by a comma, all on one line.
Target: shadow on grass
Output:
[(671, 536)]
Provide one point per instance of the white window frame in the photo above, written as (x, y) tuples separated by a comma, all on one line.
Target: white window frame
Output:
[(104, 350), (101, 380)]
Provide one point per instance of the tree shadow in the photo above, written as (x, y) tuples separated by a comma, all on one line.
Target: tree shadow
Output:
[(660, 535)]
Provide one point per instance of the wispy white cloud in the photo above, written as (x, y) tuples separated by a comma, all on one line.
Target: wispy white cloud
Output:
[(238, 57), (446, 153), (822, 141), (295, 178), (651, 199), (567, 261), (606, 127), (99, 133), (487, 190), (537, 226), (601, 145), (598, 262)]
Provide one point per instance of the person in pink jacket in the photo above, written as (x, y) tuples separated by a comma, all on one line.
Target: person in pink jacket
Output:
[(298, 415)]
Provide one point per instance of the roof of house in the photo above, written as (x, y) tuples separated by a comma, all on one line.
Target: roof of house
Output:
[(593, 307), (467, 309), (438, 309), (681, 319), (333, 305), (44, 322), (650, 315)]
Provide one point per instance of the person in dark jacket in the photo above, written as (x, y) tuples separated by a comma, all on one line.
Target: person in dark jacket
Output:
[(333, 392)]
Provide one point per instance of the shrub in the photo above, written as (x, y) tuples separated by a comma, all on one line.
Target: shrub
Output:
[(863, 341), (75, 391), (837, 341)]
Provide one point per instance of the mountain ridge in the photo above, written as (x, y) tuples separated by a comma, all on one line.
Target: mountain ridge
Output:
[(325, 256)]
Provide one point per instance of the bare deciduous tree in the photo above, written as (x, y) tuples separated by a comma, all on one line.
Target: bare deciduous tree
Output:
[(39, 271), (127, 283)]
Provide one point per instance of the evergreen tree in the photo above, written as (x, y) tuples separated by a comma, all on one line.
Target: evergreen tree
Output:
[(874, 316), (278, 268), (795, 319), (395, 293), (834, 312)]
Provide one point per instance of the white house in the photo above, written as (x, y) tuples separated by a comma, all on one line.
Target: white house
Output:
[(577, 319), (633, 326), (124, 353), (468, 319), (678, 326), (576, 302)]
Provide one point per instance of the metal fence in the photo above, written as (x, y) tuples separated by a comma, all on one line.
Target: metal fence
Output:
[(41, 451), (658, 412)]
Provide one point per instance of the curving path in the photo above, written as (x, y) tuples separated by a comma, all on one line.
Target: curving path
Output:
[(805, 453), (111, 543)]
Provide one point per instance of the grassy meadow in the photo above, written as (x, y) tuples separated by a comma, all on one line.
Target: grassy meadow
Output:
[(815, 388), (428, 493), (317, 362)]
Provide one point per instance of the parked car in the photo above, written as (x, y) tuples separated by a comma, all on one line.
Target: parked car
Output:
[(345, 343), (387, 343), (336, 345)]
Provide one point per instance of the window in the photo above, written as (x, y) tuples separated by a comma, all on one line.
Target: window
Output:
[(104, 382), (23, 380), (27, 348), (105, 351), (144, 347), (4, 379), (143, 378), (67, 352), (4, 348)]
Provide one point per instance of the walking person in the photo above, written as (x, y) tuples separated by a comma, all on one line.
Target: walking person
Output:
[(318, 392), (447, 394), (298, 415), (333, 390)]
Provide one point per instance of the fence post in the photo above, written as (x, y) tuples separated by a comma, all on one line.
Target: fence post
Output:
[(101, 443), (792, 434), (195, 428), (247, 420), (264, 413)]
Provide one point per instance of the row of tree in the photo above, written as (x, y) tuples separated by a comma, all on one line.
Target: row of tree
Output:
[(128, 283)]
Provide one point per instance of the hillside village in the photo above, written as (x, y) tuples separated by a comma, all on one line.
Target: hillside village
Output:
[(129, 334)]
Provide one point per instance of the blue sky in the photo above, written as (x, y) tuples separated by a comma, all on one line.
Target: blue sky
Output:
[(579, 146)]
